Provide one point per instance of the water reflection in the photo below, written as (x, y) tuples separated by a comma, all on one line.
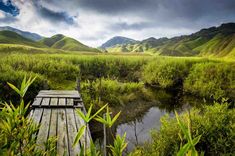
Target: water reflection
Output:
[(140, 117), (138, 131)]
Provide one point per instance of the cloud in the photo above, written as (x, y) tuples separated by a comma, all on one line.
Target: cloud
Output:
[(55, 16), (94, 21), (8, 7), (6, 18)]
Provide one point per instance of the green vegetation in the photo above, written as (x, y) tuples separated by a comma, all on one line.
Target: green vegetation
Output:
[(121, 79), (17, 132), (117, 78), (214, 123), (119, 142), (113, 92), (214, 41), (214, 80), (10, 37), (58, 42), (66, 43), (207, 78)]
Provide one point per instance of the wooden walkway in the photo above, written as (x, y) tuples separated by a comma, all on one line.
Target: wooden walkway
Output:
[(55, 112)]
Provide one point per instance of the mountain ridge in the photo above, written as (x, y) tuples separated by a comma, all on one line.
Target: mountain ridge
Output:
[(213, 41), (116, 41), (26, 34), (58, 41), (62, 42)]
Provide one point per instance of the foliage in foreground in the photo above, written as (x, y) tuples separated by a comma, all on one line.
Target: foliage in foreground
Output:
[(17, 132), (90, 150), (215, 124)]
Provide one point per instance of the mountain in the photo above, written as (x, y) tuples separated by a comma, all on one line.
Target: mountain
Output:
[(9, 37), (29, 35), (117, 40), (62, 42), (59, 41), (214, 41)]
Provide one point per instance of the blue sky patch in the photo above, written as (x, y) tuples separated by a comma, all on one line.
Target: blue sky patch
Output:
[(10, 8)]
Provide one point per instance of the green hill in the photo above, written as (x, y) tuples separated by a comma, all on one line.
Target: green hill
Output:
[(66, 43), (214, 41), (57, 42), (9, 37)]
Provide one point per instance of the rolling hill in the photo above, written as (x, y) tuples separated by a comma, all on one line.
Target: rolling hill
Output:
[(62, 42), (214, 41), (59, 42), (118, 40), (25, 34), (9, 37)]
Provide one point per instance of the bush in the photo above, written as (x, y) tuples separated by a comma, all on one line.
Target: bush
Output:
[(215, 123), (165, 73), (15, 77), (112, 91), (213, 80)]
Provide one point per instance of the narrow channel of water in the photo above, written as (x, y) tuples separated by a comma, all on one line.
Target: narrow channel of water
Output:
[(139, 118)]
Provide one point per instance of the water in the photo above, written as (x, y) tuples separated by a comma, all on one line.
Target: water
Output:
[(139, 118), (137, 132)]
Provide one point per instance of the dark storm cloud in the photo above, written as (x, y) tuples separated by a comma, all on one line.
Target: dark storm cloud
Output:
[(52, 15), (167, 12), (56, 16), (191, 8), (8, 7)]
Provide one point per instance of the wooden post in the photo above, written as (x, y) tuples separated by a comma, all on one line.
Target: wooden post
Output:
[(78, 85), (105, 144)]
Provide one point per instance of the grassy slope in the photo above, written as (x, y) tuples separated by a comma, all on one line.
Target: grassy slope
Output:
[(9, 37), (66, 43), (214, 41)]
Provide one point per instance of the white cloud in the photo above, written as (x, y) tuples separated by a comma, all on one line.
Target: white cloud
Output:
[(93, 27), (2, 14)]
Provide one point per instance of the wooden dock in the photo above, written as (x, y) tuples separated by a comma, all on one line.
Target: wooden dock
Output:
[(55, 112)]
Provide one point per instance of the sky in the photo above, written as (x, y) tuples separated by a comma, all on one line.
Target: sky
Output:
[(95, 21)]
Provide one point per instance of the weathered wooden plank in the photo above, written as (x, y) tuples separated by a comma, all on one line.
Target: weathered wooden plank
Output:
[(37, 115), (72, 131), (62, 142), (69, 102), (57, 96), (62, 102), (55, 110), (37, 102), (44, 128), (59, 91), (45, 102), (53, 125), (54, 102)]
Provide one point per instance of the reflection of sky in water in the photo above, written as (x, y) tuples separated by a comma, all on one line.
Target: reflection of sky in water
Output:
[(138, 132)]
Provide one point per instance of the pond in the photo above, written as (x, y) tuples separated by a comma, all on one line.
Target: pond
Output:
[(139, 118)]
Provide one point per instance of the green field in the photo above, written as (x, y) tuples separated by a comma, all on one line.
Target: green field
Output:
[(119, 79)]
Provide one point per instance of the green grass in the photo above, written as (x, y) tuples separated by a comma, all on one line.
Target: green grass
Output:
[(214, 123), (9, 37), (66, 43), (216, 42)]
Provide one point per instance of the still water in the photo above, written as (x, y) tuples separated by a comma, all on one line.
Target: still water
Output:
[(138, 119)]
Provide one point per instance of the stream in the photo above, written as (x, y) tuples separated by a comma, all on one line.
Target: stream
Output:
[(139, 118)]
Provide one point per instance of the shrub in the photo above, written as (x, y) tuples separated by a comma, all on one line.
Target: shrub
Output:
[(15, 77), (112, 91), (215, 124), (213, 80), (165, 73)]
